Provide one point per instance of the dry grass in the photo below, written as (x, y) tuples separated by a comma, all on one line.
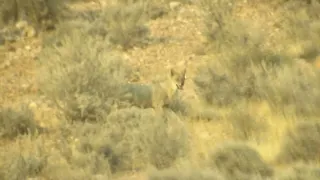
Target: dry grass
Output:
[(252, 84)]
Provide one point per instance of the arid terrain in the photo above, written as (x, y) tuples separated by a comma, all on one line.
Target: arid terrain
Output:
[(246, 106)]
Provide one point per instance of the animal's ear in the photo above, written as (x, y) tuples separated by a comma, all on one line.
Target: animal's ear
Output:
[(172, 72)]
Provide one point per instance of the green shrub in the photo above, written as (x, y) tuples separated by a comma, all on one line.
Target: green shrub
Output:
[(239, 161)]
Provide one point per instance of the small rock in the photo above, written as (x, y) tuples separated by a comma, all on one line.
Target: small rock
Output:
[(174, 5), (100, 177), (27, 47), (33, 178), (25, 86), (33, 105)]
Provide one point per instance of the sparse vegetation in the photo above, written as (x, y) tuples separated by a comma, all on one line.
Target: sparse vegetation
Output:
[(132, 138), (99, 88), (185, 174), (301, 144), (90, 87), (242, 61), (126, 24), (300, 172), (246, 125)]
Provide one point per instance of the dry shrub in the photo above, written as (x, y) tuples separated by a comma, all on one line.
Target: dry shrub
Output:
[(218, 15), (37, 159), (239, 161), (153, 8), (301, 24), (241, 59), (242, 63), (39, 13), (240, 76), (283, 3), (89, 26), (156, 10), (301, 143), (20, 167), (226, 32), (245, 125), (17, 122), (16, 166), (70, 163), (132, 138), (82, 79), (284, 86), (185, 174), (179, 105), (207, 113), (244, 69), (169, 142), (119, 24), (299, 172), (126, 24), (287, 89)]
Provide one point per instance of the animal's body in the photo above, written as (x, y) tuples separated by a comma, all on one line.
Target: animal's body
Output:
[(153, 95)]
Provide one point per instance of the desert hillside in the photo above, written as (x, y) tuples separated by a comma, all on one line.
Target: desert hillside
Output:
[(159, 90)]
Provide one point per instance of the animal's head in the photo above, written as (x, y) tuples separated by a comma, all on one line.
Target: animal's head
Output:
[(174, 82), (169, 85), (179, 77)]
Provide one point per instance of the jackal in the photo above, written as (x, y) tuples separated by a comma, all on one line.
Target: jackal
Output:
[(155, 95)]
